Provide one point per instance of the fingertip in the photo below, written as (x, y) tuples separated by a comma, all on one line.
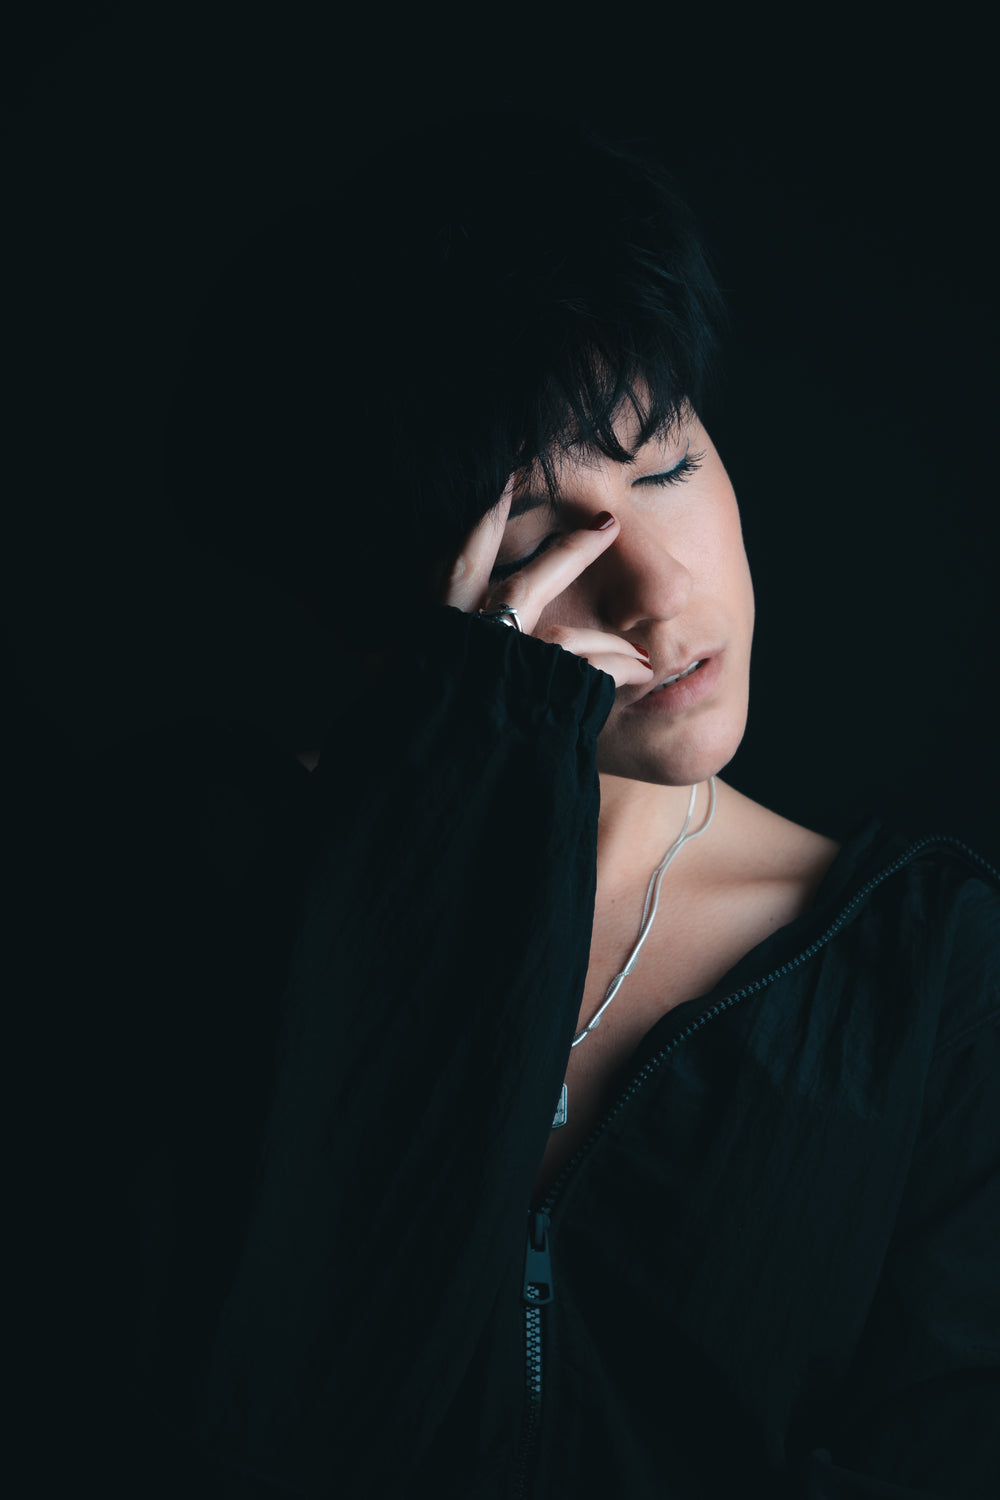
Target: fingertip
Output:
[(602, 522)]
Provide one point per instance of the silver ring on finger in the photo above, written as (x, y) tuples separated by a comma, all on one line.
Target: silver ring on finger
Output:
[(504, 614)]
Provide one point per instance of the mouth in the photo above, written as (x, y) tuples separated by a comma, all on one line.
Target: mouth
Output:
[(685, 672), (691, 683)]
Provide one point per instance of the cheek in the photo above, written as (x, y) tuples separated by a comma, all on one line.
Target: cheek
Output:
[(729, 552), (742, 590)]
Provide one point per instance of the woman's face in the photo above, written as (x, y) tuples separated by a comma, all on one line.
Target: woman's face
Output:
[(676, 581)]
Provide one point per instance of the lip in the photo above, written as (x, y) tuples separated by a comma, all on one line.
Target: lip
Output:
[(685, 693)]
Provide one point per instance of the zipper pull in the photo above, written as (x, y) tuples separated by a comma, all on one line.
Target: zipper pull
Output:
[(537, 1264)]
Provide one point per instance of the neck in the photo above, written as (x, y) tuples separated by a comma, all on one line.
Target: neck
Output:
[(638, 822)]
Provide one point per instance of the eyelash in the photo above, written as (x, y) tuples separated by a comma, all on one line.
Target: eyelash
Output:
[(677, 475)]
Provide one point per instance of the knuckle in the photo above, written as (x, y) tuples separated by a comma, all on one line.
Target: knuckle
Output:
[(513, 591)]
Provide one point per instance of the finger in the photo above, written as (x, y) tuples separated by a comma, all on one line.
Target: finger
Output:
[(590, 642), (543, 580), (626, 670), (468, 580)]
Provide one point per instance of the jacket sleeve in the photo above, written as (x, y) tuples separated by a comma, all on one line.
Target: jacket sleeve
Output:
[(923, 1414), (309, 1310)]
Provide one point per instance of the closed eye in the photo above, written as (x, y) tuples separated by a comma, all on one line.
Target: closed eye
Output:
[(677, 475)]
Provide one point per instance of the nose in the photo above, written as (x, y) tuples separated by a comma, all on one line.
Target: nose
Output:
[(638, 580)]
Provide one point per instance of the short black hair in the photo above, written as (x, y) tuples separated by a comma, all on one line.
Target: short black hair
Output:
[(480, 295)]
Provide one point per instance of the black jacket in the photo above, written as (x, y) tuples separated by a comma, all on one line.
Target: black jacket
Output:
[(344, 1001)]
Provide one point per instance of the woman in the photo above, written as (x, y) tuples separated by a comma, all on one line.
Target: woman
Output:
[(676, 575), (577, 1126)]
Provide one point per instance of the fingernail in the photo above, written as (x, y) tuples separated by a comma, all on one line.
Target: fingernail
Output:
[(641, 649), (602, 522)]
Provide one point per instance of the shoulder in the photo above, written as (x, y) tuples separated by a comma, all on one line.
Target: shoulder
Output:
[(764, 849), (935, 875), (923, 913), (907, 915), (953, 917)]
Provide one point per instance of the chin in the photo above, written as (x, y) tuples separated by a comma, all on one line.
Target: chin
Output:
[(691, 755)]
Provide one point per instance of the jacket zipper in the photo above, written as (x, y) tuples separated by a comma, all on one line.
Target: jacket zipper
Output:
[(536, 1293), (537, 1288)]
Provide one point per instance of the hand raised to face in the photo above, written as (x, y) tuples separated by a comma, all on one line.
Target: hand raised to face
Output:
[(535, 586)]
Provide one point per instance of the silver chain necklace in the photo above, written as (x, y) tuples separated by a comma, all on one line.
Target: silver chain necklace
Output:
[(648, 918)]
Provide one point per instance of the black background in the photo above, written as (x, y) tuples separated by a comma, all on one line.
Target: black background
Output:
[(843, 168)]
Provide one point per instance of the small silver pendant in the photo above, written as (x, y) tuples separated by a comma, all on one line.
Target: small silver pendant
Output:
[(562, 1109)]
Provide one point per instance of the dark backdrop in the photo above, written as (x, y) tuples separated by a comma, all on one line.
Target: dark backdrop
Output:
[(843, 175)]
